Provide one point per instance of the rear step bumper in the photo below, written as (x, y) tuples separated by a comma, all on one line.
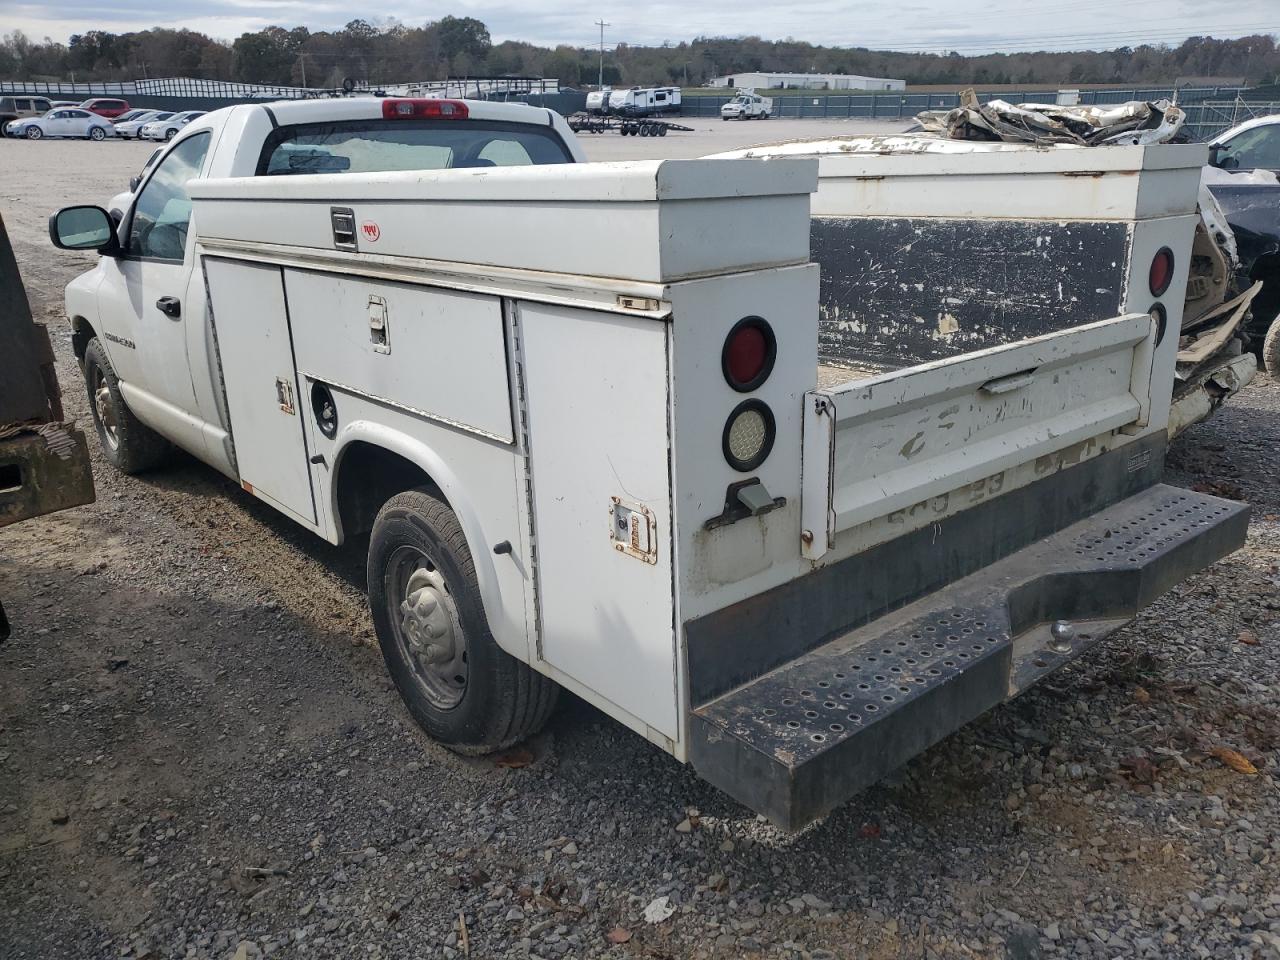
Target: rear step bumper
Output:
[(800, 740)]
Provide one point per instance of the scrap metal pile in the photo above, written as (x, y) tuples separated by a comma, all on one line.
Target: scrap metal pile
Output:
[(1134, 122)]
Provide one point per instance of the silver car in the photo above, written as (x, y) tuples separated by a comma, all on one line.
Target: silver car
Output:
[(168, 129), (132, 128), (63, 122)]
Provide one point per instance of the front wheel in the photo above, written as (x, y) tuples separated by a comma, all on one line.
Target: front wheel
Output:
[(458, 684), (97, 133), (169, 134), (128, 444), (1271, 349), (34, 133)]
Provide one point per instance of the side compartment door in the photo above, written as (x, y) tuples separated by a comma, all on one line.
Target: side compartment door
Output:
[(264, 400), (596, 393)]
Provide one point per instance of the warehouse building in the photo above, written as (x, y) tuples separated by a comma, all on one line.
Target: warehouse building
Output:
[(807, 81)]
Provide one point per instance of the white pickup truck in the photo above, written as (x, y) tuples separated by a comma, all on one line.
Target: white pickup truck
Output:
[(582, 412)]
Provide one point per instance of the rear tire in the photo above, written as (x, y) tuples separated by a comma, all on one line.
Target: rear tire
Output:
[(128, 444), (1271, 349), (97, 133), (169, 134), (459, 685)]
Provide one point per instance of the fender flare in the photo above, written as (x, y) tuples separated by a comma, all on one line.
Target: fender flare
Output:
[(510, 635)]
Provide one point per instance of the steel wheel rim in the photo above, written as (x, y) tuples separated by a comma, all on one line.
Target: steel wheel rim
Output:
[(428, 629), (105, 411)]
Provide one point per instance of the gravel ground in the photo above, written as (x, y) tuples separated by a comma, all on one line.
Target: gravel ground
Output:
[(200, 756)]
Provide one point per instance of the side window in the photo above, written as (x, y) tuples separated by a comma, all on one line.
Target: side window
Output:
[(158, 229), (23, 104), (503, 153), (1253, 149)]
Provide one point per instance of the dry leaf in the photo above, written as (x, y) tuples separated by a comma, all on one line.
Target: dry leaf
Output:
[(1248, 638), (618, 935), (1140, 694), (1234, 760), (514, 759)]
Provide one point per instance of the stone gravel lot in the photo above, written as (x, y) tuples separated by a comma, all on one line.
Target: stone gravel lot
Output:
[(200, 755)]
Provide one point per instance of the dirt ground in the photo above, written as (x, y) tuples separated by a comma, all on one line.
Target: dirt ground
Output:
[(201, 755)]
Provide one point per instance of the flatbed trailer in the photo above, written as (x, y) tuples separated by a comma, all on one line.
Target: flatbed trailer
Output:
[(627, 126)]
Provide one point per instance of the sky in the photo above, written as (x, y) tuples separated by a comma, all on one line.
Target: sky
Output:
[(966, 26)]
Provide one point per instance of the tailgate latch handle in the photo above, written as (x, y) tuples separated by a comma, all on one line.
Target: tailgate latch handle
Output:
[(1014, 381)]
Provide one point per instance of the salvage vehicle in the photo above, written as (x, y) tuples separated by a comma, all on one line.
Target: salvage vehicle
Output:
[(615, 462), (63, 122), (44, 460), (1244, 178)]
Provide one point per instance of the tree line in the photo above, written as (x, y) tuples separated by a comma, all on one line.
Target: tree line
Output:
[(462, 46)]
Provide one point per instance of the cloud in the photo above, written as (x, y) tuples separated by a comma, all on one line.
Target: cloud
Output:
[(921, 25)]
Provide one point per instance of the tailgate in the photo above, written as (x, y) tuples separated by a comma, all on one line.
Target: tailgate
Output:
[(880, 445)]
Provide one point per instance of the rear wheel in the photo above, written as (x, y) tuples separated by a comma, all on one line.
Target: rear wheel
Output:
[(1271, 349), (97, 133), (169, 134), (34, 133), (458, 684), (128, 444)]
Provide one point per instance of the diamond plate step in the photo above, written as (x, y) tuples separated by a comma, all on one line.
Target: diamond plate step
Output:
[(803, 738)]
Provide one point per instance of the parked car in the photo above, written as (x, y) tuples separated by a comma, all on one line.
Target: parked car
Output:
[(20, 108), (135, 114), (65, 122), (110, 107), (54, 104), (1244, 177), (132, 128), (168, 128)]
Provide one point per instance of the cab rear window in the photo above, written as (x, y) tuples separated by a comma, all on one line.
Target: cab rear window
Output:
[(372, 146)]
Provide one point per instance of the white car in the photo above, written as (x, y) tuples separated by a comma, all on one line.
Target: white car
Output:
[(63, 122), (131, 128), (168, 128)]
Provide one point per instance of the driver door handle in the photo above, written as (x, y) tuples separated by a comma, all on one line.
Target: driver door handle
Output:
[(170, 307)]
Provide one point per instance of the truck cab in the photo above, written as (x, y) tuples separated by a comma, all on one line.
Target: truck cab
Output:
[(747, 105)]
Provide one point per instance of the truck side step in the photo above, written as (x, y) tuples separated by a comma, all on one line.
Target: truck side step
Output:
[(801, 739)]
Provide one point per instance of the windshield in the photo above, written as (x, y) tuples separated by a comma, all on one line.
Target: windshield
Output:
[(370, 146)]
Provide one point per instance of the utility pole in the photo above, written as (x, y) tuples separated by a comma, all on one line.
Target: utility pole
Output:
[(302, 59), (601, 24)]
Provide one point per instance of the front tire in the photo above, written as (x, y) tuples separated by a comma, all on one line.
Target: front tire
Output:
[(458, 684), (34, 133), (128, 444), (1271, 349), (169, 134)]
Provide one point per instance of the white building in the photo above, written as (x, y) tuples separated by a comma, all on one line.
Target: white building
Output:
[(807, 81)]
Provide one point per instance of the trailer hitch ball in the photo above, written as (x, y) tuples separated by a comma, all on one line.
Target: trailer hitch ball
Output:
[(1062, 632)]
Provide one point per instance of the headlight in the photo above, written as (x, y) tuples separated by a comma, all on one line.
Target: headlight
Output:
[(748, 435)]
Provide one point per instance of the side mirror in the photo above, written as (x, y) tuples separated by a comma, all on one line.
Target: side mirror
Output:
[(134, 181), (84, 228), (1215, 153)]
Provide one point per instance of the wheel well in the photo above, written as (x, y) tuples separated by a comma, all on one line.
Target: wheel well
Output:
[(1267, 304), (81, 333), (369, 476)]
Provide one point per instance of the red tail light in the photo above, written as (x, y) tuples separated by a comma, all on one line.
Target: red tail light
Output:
[(1161, 274), (414, 109), (748, 354)]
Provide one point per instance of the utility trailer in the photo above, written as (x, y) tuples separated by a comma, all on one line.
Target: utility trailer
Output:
[(586, 423), (644, 101), (628, 127)]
